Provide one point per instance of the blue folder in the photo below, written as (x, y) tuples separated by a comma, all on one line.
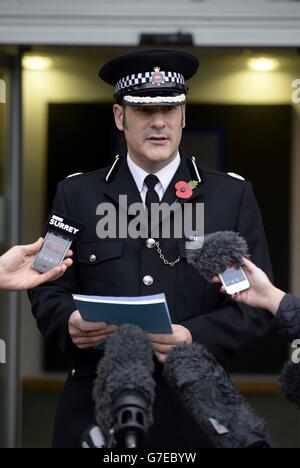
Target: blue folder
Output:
[(150, 313)]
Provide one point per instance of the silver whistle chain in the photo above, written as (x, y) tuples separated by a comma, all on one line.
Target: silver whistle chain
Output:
[(161, 255)]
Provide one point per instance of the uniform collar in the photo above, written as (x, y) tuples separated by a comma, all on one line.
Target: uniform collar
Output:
[(164, 175), (124, 183)]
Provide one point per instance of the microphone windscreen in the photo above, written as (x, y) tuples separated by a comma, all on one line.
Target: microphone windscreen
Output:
[(211, 398), (290, 382), (127, 365), (219, 250)]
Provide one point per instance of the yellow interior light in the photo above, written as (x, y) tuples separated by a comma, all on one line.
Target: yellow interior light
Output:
[(36, 62), (263, 64)]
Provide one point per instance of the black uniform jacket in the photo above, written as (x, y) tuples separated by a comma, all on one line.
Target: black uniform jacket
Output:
[(116, 267)]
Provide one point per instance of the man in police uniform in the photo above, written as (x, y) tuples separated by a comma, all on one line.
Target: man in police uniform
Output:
[(150, 93)]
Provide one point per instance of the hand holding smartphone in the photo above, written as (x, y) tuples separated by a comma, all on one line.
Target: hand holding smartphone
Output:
[(61, 231), (234, 280), (52, 253)]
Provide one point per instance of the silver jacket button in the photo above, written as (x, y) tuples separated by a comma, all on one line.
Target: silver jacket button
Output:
[(148, 280), (150, 243), (93, 258)]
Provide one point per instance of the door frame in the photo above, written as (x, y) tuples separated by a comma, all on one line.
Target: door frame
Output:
[(13, 189)]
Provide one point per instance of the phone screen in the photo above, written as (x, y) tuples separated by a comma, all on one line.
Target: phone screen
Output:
[(233, 276), (52, 252)]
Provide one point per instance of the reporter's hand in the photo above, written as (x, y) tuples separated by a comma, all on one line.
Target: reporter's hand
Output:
[(88, 334), (16, 272), (163, 343), (261, 294)]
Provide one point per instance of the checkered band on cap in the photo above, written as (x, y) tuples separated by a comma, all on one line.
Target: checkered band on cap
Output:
[(147, 77)]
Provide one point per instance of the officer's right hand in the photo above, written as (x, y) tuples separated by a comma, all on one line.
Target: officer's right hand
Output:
[(88, 334)]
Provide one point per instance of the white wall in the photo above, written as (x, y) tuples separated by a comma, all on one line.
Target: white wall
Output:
[(114, 22), (222, 79)]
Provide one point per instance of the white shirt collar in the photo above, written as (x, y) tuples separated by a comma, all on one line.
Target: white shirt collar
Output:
[(164, 175)]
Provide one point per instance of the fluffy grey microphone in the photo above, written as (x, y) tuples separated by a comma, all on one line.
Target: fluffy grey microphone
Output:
[(211, 398), (219, 250), (290, 382), (124, 382)]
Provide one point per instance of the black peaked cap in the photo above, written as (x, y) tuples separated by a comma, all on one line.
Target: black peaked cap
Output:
[(145, 60)]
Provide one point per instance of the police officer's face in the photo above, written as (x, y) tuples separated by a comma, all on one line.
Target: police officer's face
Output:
[(153, 134)]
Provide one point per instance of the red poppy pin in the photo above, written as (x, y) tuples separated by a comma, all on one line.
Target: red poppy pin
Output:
[(184, 190)]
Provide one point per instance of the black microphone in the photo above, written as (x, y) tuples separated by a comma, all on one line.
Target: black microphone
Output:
[(219, 250), (211, 398), (290, 382), (124, 387)]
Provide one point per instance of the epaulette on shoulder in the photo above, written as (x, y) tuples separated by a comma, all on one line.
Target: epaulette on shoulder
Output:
[(236, 176), (112, 169)]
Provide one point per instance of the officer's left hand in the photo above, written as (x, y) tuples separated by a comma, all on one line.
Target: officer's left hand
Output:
[(163, 343)]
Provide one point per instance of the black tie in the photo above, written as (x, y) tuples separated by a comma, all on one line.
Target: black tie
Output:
[(151, 196)]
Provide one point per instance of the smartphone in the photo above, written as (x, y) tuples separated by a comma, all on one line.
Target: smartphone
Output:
[(52, 252), (234, 280)]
